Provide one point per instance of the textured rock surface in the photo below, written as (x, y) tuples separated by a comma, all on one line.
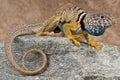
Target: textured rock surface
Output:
[(66, 61)]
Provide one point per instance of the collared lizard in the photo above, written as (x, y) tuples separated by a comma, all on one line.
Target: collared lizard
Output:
[(73, 23)]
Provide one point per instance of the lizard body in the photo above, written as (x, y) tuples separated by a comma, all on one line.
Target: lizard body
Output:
[(73, 23)]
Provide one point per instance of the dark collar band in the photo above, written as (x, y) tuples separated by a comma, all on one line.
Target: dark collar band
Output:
[(82, 22), (79, 16)]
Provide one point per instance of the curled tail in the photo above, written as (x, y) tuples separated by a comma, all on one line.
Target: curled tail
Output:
[(30, 29)]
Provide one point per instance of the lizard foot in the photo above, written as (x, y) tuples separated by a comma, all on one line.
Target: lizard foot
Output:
[(96, 45), (74, 41), (44, 33), (81, 36)]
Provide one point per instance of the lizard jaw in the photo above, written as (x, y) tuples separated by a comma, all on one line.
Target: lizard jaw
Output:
[(95, 31)]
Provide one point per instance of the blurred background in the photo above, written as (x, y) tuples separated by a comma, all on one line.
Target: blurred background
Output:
[(17, 12)]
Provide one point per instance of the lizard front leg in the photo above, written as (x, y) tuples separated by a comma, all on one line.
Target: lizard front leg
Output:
[(96, 45), (80, 36), (67, 31)]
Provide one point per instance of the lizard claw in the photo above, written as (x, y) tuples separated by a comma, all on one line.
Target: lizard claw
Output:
[(75, 42), (38, 34), (96, 45), (44, 33), (99, 47)]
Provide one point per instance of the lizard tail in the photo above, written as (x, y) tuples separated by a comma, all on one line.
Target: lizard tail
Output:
[(10, 37)]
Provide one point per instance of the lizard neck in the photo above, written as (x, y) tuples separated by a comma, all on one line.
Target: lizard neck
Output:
[(82, 23)]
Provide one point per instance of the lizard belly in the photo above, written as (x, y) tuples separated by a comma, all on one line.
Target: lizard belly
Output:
[(79, 32)]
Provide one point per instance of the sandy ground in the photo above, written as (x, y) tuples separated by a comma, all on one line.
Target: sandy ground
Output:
[(17, 12)]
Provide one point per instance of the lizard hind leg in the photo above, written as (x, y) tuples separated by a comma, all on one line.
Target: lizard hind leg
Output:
[(49, 26), (51, 34), (45, 61)]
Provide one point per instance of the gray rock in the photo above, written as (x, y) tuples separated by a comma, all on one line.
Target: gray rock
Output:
[(66, 61)]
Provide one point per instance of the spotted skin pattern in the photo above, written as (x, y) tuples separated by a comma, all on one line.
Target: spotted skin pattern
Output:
[(97, 24), (75, 24)]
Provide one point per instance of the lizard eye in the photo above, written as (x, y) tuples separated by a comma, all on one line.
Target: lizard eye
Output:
[(102, 17)]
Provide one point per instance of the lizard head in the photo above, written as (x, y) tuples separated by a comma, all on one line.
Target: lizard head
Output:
[(96, 24)]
